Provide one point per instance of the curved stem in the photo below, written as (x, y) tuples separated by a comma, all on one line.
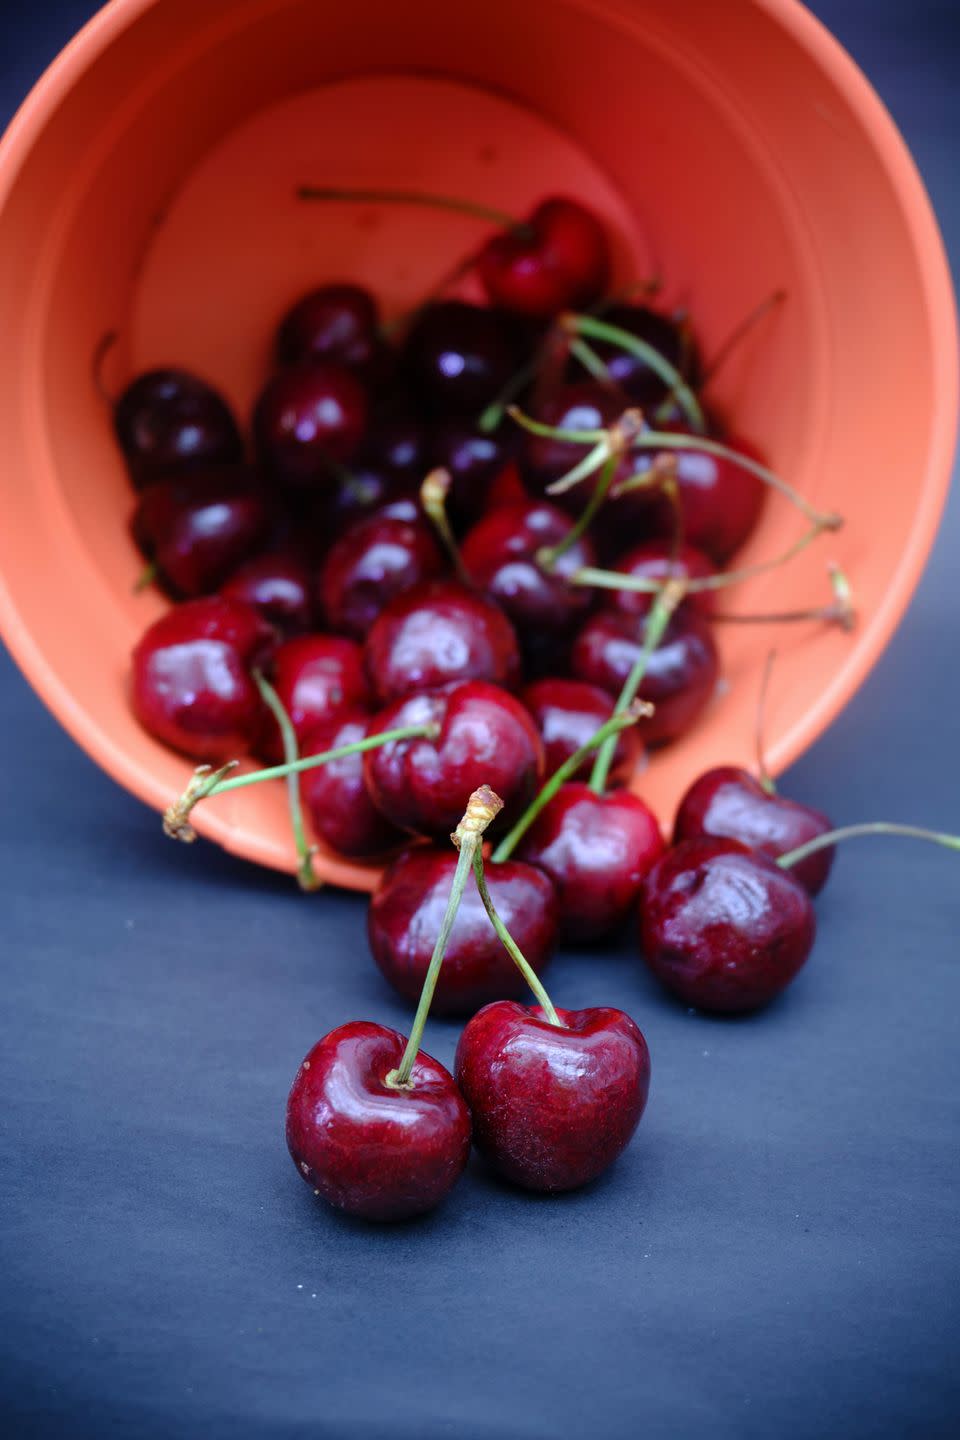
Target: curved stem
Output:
[(146, 577), (740, 331), (556, 432), (307, 877), (510, 945), (433, 498), (853, 832), (594, 329), (829, 614), (376, 196), (550, 554), (763, 774), (102, 349), (590, 360)]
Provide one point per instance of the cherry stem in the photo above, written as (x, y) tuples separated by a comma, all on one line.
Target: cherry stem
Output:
[(510, 945), (206, 783), (610, 728), (644, 288), (590, 360), (554, 432), (740, 331), (593, 329), (451, 277), (657, 621), (433, 497), (853, 832), (307, 878), (763, 774), (414, 197), (841, 612), (146, 577), (548, 556), (103, 347), (483, 806), (492, 416)]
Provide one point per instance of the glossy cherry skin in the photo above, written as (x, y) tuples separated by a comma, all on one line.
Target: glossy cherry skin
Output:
[(198, 530), (671, 338), (277, 584), (730, 802), (398, 443), (500, 555), (335, 795), (437, 633), (316, 677), (552, 1106), (568, 713), (720, 500), (355, 495), (338, 323), (723, 927), (404, 920), (586, 405), (485, 737), (377, 559), (559, 260), (170, 420), (474, 461), (597, 849), (308, 420), (655, 560), (458, 357), (369, 1148), (191, 683), (681, 672)]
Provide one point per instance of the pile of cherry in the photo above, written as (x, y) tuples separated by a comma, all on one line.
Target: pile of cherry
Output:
[(414, 600)]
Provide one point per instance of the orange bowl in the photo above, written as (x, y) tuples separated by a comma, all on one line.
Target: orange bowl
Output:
[(147, 186)]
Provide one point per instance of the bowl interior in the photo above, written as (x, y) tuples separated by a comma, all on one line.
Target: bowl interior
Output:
[(149, 189)]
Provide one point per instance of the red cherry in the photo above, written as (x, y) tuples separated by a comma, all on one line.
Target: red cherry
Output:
[(553, 1106), (316, 677), (723, 927), (672, 338), (336, 323), (437, 633), (377, 559), (198, 530), (398, 443), (730, 802), (368, 1147), (568, 713), (597, 849), (586, 405), (191, 685), (559, 260), (474, 461), (169, 420), (404, 919), (308, 420), (458, 357), (335, 796), (655, 560), (485, 737), (278, 585), (720, 500)]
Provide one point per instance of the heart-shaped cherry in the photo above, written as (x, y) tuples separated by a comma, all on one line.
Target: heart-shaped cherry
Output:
[(731, 803), (458, 357), (485, 736), (278, 585), (723, 927), (336, 323), (170, 420), (672, 338), (341, 811), (557, 260), (377, 559), (552, 1105), (567, 713), (659, 560), (309, 420), (315, 677), (196, 531), (191, 683), (436, 633), (369, 1146)]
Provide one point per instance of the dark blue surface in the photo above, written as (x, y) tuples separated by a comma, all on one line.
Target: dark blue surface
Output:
[(775, 1256)]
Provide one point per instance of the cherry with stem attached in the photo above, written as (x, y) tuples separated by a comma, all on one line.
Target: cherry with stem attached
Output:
[(307, 878)]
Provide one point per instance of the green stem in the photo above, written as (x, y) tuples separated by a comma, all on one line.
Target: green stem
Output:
[(555, 432), (307, 877), (740, 330), (590, 360), (828, 614), (413, 197), (657, 621), (550, 554), (510, 945), (853, 832), (433, 498), (146, 577), (594, 329), (763, 774)]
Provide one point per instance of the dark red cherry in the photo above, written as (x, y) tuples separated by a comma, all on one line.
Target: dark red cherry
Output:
[(404, 920), (655, 560), (316, 677), (198, 530), (335, 796), (169, 420), (437, 633), (723, 927), (338, 324), (356, 494), (681, 672), (587, 405), (720, 500), (399, 443), (458, 357), (377, 559), (277, 584), (597, 850), (191, 683), (553, 1106), (308, 420), (500, 555), (568, 713), (671, 337), (474, 461), (485, 737), (730, 802), (368, 1147), (558, 260)]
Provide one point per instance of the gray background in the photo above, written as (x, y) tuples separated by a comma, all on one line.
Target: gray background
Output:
[(775, 1255)]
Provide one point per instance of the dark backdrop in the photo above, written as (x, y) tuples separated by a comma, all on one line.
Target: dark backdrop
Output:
[(775, 1255)]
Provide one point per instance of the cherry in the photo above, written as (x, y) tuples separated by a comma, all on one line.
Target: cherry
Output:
[(371, 1147), (553, 1105), (485, 736), (474, 460), (670, 337), (437, 633), (338, 323), (557, 260), (379, 557), (458, 357), (729, 802), (597, 849), (340, 809), (197, 530), (681, 672), (405, 914), (308, 420), (723, 927), (191, 685), (399, 443), (278, 585), (655, 560), (567, 713), (720, 500), (170, 420), (501, 555), (315, 677), (355, 495), (587, 405)]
